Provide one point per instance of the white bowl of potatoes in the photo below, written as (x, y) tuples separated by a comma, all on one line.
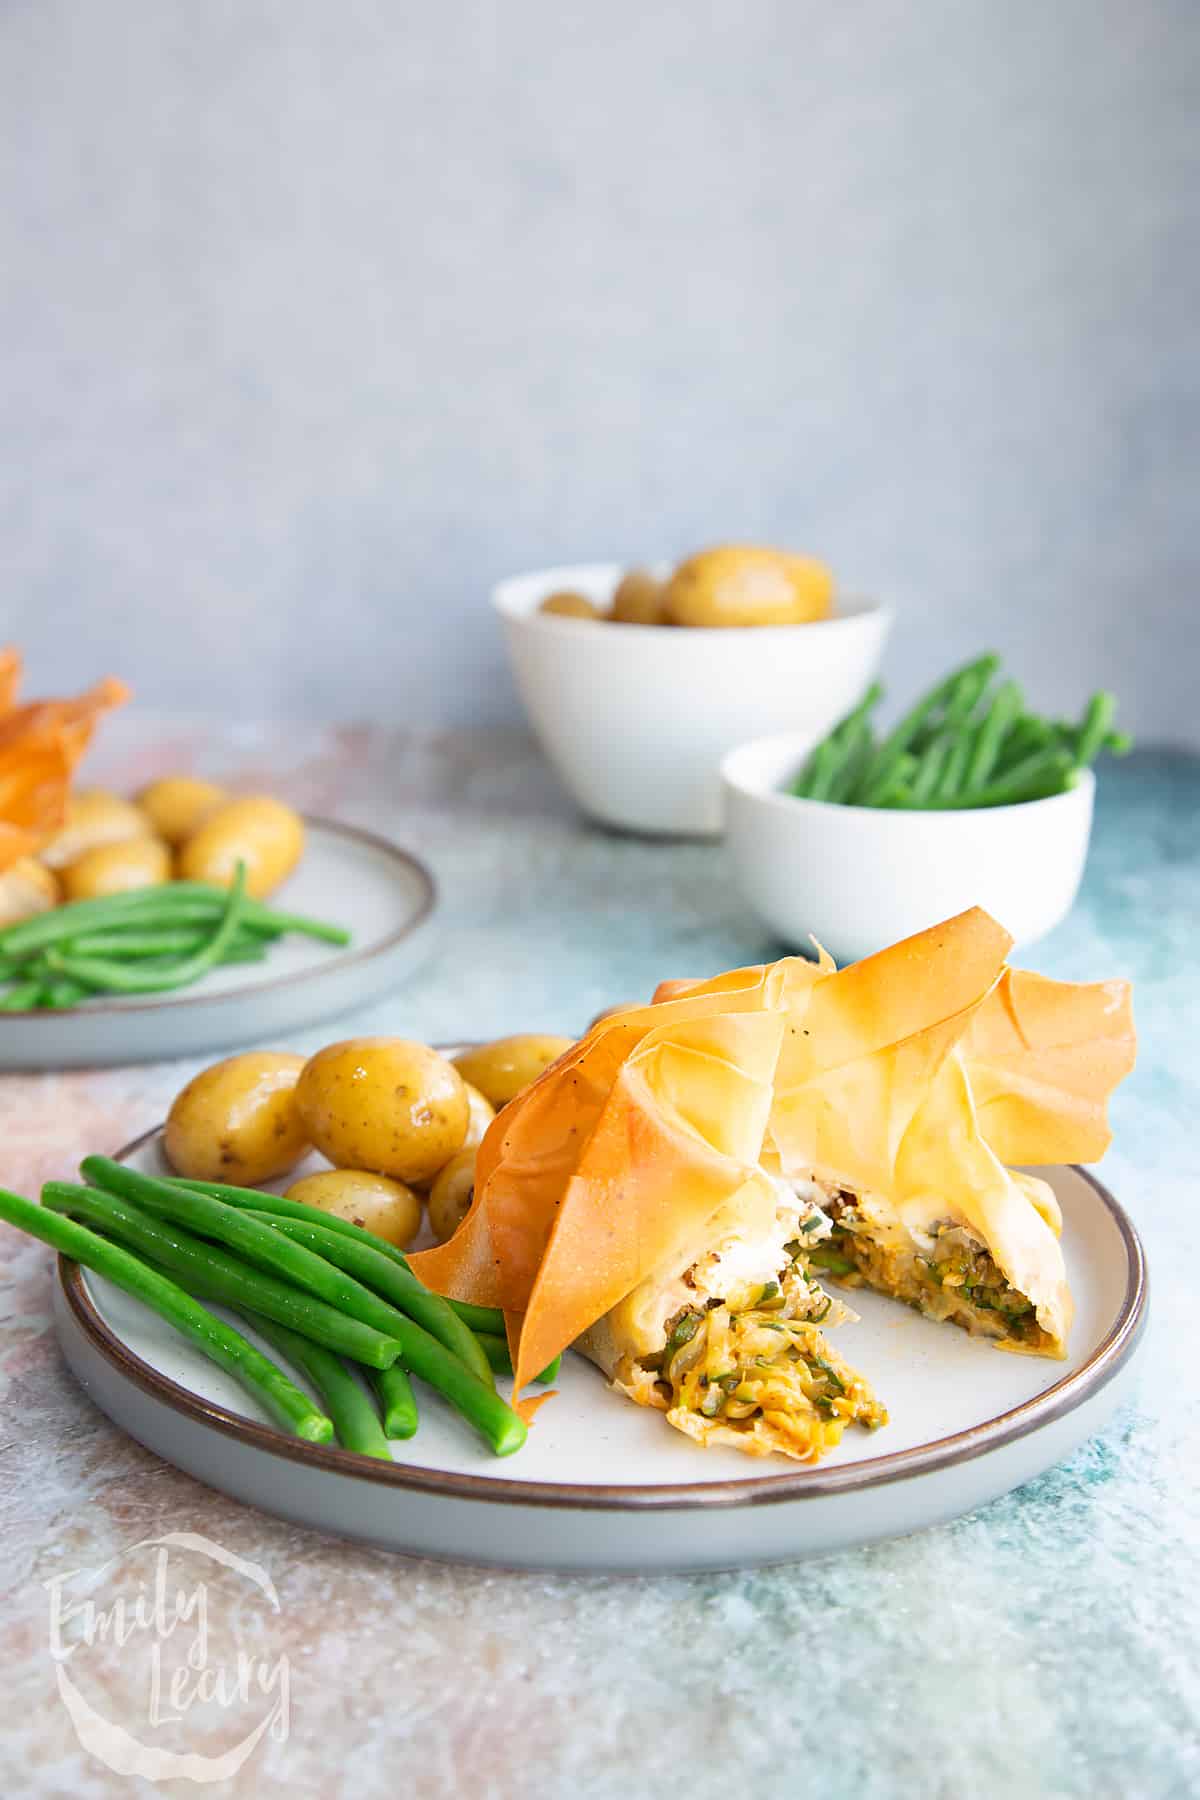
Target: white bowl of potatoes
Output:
[(638, 682)]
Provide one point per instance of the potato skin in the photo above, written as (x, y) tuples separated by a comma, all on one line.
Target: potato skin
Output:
[(638, 599), (745, 585), (482, 1114), (117, 868), (388, 1208), (237, 1121), (568, 605), (27, 888), (177, 804), (258, 830), (94, 817), (501, 1069), (451, 1194), (385, 1104)]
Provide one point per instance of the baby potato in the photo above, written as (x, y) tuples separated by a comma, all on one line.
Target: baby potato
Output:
[(741, 584), (384, 1104), (568, 605), (176, 805), (94, 817), (261, 832), (388, 1208), (451, 1195), (500, 1070), (27, 888), (237, 1121), (116, 868), (638, 599), (482, 1114)]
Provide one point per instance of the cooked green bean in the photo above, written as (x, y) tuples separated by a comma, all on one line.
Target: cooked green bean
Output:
[(383, 1276), (479, 1318), (285, 1402), (347, 1402), (21, 998), (397, 1401), (992, 730), (960, 745), (172, 941), (259, 1243), (497, 1352), (172, 903), (260, 1200), (122, 978), (1097, 721), (226, 1277)]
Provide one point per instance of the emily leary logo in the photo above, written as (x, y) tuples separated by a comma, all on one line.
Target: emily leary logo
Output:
[(146, 1616)]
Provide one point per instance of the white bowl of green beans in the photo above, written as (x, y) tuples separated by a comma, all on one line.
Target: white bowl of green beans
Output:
[(968, 800)]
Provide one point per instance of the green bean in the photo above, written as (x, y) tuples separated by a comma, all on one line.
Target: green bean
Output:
[(1118, 743), (286, 1403), (21, 998), (238, 1228), (993, 727), (941, 695), (172, 903), (383, 1276), (226, 1277), (345, 1399), (954, 767), (1097, 721), (1039, 776), (497, 1352), (397, 1401), (119, 978), (859, 748), (479, 1318), (929, 771), (161, 942), (260, 1200), (841, 734), (420, 1352), (826, 761), (57, 995)]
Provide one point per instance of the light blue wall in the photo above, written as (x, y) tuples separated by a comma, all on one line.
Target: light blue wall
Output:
[(316, 315)]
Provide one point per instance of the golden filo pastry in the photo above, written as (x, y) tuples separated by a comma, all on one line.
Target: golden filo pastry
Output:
[(672, 1193)]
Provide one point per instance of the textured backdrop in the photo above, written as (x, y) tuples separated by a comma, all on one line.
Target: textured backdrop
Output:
[(314, 318)]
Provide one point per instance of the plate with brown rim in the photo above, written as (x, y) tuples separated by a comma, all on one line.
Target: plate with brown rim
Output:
[(380, 893), (602, 1484)]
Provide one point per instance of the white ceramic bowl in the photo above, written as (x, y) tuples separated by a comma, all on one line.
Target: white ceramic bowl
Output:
[(858, 878), (636, 718)]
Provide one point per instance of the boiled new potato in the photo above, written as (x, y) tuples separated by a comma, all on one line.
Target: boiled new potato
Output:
[(116, 868), (482, 1114), (385, 1104), (27, 888), (500, 1070), (94, 817), (638, 599), (176, 805), (388, 1208), (451, 1195), (739, 584), (237, 1121), (257, 830), (569, 605)]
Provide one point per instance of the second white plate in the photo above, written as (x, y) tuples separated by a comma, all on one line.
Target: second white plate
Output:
[(382, 895)]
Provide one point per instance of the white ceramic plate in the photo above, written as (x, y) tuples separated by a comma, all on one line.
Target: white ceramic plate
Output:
[(380, 893), (606, 1485)]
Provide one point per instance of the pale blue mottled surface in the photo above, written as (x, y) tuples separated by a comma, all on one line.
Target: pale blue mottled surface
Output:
[(1046, 1646)]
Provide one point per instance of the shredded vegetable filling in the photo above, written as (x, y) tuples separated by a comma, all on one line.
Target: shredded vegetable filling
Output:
[(953, 1277), (760, 1375)]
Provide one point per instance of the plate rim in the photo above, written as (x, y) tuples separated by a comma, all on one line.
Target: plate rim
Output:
[(426, 903), (807, 1483)]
